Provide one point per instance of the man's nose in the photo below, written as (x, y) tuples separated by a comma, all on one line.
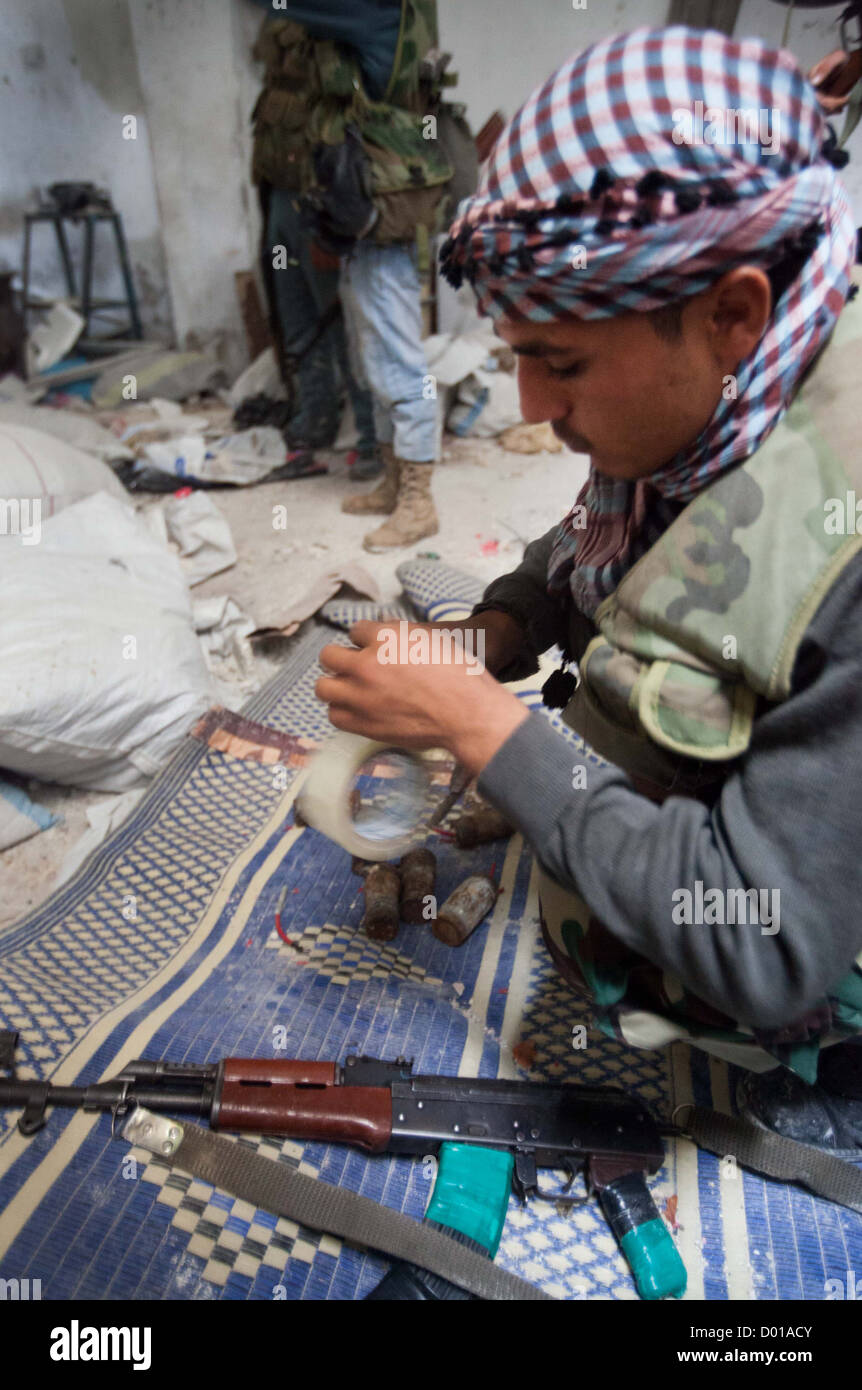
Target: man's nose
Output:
[(541, 396)]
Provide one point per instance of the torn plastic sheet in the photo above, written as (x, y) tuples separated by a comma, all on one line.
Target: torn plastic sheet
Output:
[(201, 534), (238, 459)]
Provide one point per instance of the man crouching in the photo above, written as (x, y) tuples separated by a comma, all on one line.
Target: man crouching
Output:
[(678, 313)]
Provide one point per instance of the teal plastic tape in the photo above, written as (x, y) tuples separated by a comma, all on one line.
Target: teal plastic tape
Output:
[(654, 1260), (471, 1194)]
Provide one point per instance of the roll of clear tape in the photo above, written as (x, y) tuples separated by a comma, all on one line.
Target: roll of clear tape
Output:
[(377, 832)]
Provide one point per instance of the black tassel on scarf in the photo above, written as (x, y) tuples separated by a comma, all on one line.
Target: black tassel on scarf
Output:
[(561, 686), (559, 689)]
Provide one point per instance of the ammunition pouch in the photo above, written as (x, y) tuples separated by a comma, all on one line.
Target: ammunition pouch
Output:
[(338, 208)]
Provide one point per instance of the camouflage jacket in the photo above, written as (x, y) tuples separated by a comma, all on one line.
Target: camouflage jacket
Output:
[(314, 87), (705, 628)]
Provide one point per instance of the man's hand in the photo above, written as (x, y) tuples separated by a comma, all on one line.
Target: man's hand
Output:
[(457, 705)]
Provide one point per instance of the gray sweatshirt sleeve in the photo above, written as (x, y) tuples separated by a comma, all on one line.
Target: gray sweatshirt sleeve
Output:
[(788, 820), (523, 595)]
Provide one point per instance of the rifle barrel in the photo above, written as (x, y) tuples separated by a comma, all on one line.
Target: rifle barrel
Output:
[(105, 1095)]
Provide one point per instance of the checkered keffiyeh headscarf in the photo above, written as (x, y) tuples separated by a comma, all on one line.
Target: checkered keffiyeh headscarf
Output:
[(590, 161)]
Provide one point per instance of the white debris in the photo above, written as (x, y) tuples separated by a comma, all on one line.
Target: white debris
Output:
[(57, 331), (201, 534), (240, 459), (260, 378), (103, 819)]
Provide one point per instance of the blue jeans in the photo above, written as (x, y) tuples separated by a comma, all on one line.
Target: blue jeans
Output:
[(380, 292), (302, 293)]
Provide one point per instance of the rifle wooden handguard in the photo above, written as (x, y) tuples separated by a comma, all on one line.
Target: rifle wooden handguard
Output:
[(301, 1100)]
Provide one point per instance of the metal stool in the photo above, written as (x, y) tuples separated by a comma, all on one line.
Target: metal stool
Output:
[(85, 303)]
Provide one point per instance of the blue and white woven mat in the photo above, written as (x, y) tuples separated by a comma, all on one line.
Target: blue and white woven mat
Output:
[(164, 945)]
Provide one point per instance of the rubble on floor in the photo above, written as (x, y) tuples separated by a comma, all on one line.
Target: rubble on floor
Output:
[(19, 816), (531, 439)]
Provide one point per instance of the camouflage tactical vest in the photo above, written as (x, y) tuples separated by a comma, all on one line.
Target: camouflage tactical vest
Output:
[(706, 626), (313, 88)]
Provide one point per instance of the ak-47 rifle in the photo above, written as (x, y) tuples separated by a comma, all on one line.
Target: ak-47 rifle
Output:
[(491, 1136)]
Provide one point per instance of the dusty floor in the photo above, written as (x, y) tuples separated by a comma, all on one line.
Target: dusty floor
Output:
[(490, 503)]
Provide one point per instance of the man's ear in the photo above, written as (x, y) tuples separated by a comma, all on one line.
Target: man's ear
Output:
[(739, 309)]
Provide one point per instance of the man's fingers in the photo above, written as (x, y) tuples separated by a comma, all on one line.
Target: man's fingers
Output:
[(343, 718), (330, 688), (364, 633), (339, 660)]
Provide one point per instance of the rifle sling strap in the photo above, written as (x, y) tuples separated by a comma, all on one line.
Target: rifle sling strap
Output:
[(776, 1157), (277, 1188)]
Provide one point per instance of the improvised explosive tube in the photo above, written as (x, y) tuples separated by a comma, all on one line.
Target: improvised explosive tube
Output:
[(382, 889), (418, 878), (479, 825), (462, 912)]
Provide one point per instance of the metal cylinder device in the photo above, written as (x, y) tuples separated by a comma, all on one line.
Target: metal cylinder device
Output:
[(464, 909), (382, 888), (418, 878), (479, 824)]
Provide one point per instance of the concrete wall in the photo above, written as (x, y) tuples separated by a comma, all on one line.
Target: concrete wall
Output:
[(198, 86), (70, 71), (503, 49), (68, 75)]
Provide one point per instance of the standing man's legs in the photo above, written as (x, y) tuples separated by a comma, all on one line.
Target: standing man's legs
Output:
[(382, 300), (297, 311), (302, 292)]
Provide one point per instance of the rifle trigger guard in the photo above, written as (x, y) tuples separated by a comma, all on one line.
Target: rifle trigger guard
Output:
[(560, 1199), (526, 1183)]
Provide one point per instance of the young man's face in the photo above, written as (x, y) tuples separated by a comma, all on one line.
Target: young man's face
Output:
[(614, 389)]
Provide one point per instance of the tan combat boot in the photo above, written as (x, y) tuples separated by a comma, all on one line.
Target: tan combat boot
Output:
[(415, 515), (380, 501)]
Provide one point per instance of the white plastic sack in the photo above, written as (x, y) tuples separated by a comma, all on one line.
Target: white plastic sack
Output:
[(72, 426), (451, 358), (36, 465), (102, 673), (56, 333), (223, 631)]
